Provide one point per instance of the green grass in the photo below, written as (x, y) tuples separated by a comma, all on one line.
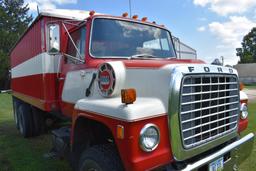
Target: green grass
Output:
[(17, 153), (250, 86), (250, 163)]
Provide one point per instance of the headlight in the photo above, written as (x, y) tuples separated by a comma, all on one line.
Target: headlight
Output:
[(244, 111), (149, 137)]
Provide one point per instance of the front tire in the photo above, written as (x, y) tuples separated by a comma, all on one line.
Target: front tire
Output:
[(100, 158)]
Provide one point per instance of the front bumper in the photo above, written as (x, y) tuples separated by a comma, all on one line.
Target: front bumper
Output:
[(246, 143)]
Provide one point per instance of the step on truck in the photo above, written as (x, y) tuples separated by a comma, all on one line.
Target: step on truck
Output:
[(129, 102)]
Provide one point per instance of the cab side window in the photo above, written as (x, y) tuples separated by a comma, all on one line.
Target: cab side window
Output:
[(78, 38)]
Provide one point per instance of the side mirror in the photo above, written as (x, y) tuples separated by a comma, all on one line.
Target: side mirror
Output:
[(53, 38)]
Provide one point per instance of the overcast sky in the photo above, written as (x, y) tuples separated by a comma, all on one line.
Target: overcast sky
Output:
[(213, 27)]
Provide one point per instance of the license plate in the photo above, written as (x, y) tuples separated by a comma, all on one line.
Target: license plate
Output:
[(216, 165)]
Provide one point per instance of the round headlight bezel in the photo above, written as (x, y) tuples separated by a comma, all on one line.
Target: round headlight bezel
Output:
[(142, 136), (243, 111)]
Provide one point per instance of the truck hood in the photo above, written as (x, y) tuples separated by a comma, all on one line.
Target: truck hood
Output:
[(158, 63), (146, 63)]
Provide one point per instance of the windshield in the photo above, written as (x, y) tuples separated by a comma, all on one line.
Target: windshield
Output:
[(117, 38)]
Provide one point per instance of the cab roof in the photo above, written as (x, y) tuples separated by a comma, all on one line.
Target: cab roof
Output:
[(66, 13)]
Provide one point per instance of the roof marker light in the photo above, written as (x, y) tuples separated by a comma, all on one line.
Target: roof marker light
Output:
[(92, 13), (144, 19), (135, 17), (125, 14)]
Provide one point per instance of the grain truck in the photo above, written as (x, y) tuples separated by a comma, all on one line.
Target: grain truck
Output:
[(130, 104)]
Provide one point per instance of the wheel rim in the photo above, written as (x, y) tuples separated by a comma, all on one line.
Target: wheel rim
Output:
[(90, 165), (92, 169), (21, 125), (15, 114), (16, 118)]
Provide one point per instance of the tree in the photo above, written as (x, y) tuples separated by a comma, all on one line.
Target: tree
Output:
[(14, 20), (247, 53)]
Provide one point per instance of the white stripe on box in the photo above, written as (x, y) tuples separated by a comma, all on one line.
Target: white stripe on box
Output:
[(40, 64)]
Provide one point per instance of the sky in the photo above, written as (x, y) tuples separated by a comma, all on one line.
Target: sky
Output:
[(214, 28)]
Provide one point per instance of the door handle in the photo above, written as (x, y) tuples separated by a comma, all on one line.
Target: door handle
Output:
[(61, 78)]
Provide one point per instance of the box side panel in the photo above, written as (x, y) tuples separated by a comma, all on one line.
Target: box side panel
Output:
[(29, 46), (34, 71)]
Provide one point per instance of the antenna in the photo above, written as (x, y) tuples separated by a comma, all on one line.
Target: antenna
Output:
[(130, 8), (37, 8), (222, 60)]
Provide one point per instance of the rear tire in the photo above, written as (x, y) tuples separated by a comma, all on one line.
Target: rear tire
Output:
[(25, 120), (100, 158), (38, 121)]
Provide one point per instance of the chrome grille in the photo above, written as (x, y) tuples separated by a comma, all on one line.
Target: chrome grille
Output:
[(209, 107)]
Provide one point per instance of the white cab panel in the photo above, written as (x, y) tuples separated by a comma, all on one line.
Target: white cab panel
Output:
[(76, 84)]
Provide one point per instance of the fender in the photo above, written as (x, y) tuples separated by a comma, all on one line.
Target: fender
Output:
[(134, 159)]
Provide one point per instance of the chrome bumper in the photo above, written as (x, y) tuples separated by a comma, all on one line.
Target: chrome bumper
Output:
[(219, 153)]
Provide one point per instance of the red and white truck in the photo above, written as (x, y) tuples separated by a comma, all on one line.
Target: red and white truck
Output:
[(132, 105)]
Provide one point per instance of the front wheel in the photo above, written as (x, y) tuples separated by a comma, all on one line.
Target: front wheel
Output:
[(100, 158)]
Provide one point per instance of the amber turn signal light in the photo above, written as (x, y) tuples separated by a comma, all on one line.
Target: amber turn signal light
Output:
[(128, 96), (120, 131), (241, 86)]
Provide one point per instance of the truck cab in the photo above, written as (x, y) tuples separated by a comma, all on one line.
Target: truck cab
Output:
[(131, 104)]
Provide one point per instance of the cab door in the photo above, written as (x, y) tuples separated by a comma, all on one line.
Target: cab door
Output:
[(72, 62)]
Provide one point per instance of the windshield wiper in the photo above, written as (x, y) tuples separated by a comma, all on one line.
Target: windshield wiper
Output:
[(142, 56)]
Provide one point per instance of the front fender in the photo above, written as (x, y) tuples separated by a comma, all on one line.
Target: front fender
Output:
[(142, 108)]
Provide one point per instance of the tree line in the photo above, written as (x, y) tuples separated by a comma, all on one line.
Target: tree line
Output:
[(14, 20), (247, 52)]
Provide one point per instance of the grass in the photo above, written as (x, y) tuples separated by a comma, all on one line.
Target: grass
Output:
[(250, 163), (17, 153), (22, 154), (250, 86)]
